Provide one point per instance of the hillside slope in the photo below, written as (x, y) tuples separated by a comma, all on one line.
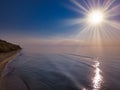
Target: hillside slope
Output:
[(8, 47)]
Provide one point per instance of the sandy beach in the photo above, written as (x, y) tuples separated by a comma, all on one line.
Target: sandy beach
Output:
[(5, 58)]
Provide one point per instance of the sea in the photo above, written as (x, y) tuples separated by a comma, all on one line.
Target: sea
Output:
[(63, 68)]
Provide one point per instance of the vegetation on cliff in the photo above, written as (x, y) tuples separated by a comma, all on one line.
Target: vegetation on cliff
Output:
[(8, 47)]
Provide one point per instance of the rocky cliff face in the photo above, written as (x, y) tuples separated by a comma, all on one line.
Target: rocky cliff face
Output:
[(7, 47)]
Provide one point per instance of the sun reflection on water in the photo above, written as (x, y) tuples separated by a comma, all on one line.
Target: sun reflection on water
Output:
[(97, 79)]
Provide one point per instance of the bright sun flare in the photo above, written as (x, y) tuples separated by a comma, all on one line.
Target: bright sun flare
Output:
[(99, 20), (95, 17)]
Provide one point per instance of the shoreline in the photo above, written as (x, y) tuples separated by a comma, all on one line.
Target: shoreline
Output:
[(5, 58)]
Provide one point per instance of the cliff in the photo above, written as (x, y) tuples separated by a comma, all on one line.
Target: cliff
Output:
[(8, 47)]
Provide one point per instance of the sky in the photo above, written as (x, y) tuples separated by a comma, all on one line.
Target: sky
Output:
[(37, 19), (34, 18)]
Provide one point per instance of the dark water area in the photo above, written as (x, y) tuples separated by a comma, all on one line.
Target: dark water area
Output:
[(64, 68)]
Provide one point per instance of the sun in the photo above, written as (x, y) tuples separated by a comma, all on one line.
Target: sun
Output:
[(95, 17), (98, 21)]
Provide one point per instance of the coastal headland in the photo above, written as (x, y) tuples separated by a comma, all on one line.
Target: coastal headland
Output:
[(7, 52)]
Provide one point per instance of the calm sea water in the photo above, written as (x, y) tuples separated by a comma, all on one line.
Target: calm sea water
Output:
[(64, 68)]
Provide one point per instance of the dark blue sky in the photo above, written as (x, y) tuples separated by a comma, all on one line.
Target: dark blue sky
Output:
[(35, 17)]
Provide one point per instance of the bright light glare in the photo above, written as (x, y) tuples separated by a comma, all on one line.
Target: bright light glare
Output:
[(95, 17), (99, 22), (97, 79)]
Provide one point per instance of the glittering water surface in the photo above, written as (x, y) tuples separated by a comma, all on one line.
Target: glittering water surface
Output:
[(63, 69), (97, 79)]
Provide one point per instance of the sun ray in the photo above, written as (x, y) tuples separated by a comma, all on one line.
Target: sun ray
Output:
[(108, 4), (79, 5), (76, 21), (99, 20), (114, 25), (86, 3), (76, 10), (113, 11)]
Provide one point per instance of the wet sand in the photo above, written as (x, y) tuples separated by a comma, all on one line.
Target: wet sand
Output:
[(5, 58)]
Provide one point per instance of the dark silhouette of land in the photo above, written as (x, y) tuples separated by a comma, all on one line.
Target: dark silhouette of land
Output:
[(8, 47), (7, 52)]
